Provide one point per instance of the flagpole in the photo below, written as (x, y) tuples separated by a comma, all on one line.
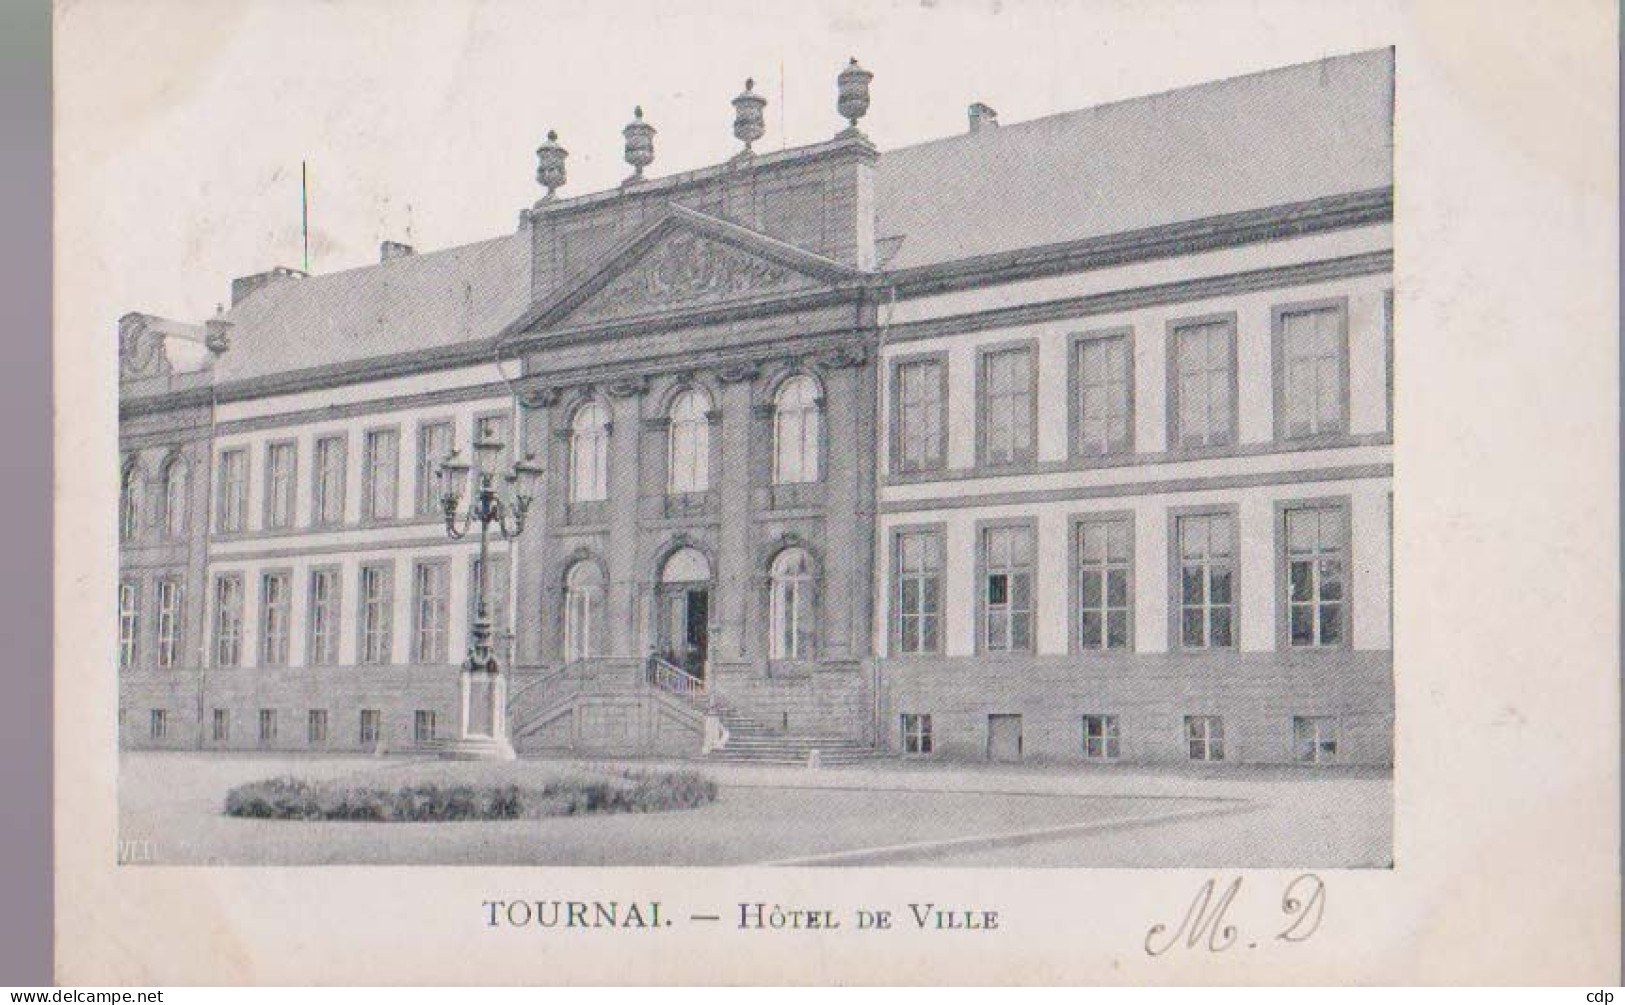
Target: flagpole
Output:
[(304, 213)]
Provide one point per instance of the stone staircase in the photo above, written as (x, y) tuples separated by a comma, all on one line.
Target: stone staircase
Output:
[(751, 742)]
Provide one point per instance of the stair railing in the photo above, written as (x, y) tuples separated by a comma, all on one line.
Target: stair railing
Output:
[(668, 676)]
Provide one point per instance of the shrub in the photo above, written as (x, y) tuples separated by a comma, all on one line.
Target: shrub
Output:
[(629, 791)]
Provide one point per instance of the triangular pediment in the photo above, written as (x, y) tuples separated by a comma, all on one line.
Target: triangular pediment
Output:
[(686, 262)]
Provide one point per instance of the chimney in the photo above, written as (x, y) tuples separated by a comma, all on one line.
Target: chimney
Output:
[(393, 249), (244, 286), (982, 117)]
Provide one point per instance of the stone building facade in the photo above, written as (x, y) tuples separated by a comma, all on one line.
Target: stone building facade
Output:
[(1064, 440)]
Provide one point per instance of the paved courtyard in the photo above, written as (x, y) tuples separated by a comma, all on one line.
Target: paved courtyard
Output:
[(885, 814)]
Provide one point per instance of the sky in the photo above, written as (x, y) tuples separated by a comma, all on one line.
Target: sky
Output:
[(182, 126)]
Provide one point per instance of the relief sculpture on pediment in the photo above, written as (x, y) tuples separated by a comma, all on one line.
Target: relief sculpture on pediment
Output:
[(687, 270)]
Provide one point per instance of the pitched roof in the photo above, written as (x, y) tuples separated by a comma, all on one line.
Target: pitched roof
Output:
[(1267, 139), (407, 304)]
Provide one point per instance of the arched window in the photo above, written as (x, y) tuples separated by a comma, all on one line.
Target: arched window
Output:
[(131, 488), (795, 432), (583, 610), (689, 453), (589, 453), (791, 615), (175, 498)]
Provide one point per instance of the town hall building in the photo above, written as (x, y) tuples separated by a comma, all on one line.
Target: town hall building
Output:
[(1067, 440)]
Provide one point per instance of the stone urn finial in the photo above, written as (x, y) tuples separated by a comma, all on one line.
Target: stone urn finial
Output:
[(550, 158), (640, 145), (749, 123), (853, 89)]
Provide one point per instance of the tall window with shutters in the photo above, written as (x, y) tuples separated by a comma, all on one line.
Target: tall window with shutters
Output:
[(323, 644), (1202, 384), (1103, 548), (327, 481), (1103, 382), (171, 596), (1006, 406), (380, 474), (919, 414), (1205, 553), (131, 488), (279, 483), (377, 603), (228, 619), (274, 617), (431, 583), (796, 431), (434, 445), (233, 491), (1007, 588), (1311, 364), (917, 570), (129, 622), (1315, 573)]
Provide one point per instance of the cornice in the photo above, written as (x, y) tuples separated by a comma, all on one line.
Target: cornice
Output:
[(1272, 223), (1212, 233)]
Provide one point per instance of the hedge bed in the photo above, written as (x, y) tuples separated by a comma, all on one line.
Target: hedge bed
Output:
[(630, 791)]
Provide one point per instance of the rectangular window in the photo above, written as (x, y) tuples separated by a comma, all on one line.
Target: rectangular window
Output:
[(916, 733), (170, 600), (222, 726), (1314, 739), (228, 620), (1204, 736), (918, 387), (1202, 359), (233, 490), (1206, 554), (129, 622), (274, 616), (159, 724), (1007, 400), (430, 595), (324, 617), (1103, 378), (380, 474), (371, 727), (1007, 589), (316, 727), (1311, 364), (1316, 574), (377, 613), (267, 727), (496, 596), (434, 444), (423, 726), (327, 482), (496, 427), (1104, 548), (1100, 737), (280, 471), (917, 604)]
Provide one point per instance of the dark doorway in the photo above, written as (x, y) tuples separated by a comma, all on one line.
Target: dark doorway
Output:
[(685, 619)]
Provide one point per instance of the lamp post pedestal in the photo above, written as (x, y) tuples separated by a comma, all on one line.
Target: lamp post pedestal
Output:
[(482, 727)]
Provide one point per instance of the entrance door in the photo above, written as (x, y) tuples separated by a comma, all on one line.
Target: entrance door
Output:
[(685, 619), (1004, 737)]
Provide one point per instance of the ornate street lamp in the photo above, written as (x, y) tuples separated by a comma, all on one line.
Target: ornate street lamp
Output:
[(482, 731)]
